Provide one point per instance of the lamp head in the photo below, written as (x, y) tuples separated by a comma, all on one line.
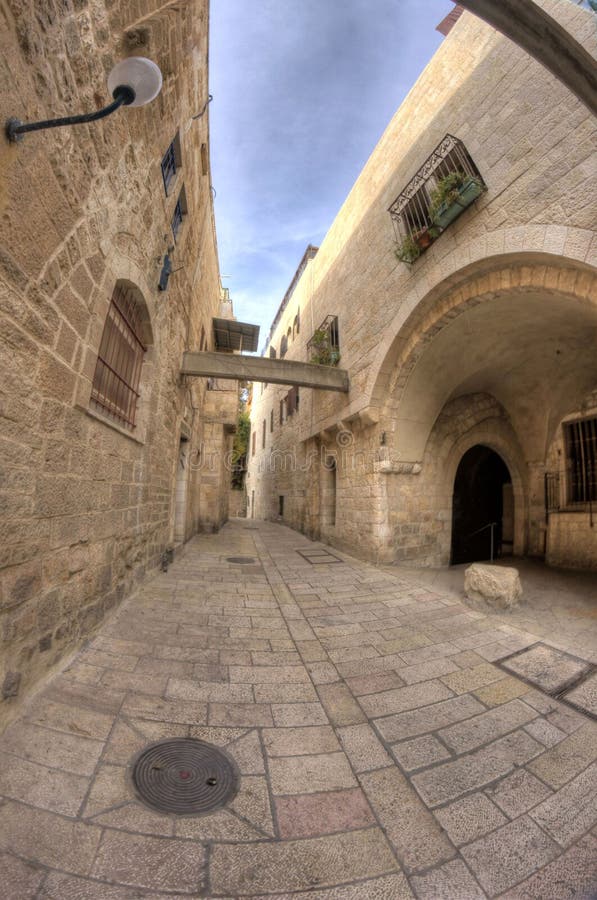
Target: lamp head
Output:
[(139, 77)]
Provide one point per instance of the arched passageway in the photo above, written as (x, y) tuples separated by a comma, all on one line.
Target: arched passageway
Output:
[(482, 507)]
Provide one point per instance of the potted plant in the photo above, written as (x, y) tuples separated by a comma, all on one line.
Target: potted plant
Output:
[(425, 237), (409, 250), (454, 192), (322, 354)]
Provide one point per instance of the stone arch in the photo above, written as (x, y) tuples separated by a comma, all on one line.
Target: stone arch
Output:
[(457, 281), (539, 294), (426, 498)]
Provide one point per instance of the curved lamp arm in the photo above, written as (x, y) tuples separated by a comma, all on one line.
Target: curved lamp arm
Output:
[(134, 81), (123, 96)]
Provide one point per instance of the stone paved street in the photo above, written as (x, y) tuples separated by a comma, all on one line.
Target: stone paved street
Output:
[(383, 755)]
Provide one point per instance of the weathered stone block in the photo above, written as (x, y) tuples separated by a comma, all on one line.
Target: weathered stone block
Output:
[(498, 587)]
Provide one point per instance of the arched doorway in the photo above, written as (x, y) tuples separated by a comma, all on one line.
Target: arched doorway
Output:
[(482, 496)]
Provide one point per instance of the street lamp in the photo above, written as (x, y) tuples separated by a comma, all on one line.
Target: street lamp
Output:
[(132, 82)]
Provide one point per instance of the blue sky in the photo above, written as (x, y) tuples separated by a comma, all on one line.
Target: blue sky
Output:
[(303, 90)]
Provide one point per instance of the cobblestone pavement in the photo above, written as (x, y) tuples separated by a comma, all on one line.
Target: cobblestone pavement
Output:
[(382, 755)]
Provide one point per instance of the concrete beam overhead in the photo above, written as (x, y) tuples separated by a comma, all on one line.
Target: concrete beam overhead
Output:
[(210, 364)]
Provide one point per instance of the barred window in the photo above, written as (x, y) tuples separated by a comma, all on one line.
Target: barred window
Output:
[(115, 389), (180, 211), (171, 161), (581, 458)]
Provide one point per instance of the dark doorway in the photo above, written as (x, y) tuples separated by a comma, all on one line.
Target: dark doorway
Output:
[(479, 493)]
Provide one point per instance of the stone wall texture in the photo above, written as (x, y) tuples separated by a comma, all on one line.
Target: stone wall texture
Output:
[(488, 338), (87, 507)]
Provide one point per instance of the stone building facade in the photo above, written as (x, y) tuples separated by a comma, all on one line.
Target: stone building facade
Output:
[(473, 366), (94, 490)]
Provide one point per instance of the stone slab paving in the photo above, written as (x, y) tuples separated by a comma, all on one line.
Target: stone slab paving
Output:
[(382, 753)]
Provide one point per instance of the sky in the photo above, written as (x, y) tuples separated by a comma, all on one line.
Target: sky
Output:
[(303, 90)]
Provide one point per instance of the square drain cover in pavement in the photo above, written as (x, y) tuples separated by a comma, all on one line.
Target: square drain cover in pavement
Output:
[(549, 669), (584, 697), (319, 557)]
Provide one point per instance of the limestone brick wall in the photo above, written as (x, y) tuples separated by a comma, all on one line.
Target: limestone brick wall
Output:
[(530, 233), (88, 507), (572, 540)]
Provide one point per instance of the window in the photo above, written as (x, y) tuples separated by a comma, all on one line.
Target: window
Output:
[(281, 412), (296, 328), (581, 459), (324, 346), (292, 401), (204, 162), (253, 444), (271, 421), (171, 162), (115, 388), (263, 430), (445, 185), (281, 505), (272, 353), (180, 211), (283, 347)]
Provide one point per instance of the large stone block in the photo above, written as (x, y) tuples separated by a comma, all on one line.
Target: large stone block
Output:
[(497, 587)]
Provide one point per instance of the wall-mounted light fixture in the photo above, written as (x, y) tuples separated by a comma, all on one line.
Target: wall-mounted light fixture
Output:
[(132, 82)]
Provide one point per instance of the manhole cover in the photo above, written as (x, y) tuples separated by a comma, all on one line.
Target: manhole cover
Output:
[(241, 560), (184, 776)]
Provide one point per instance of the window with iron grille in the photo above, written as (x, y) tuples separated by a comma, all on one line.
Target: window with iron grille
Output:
[(115, 389), (171, 161), (581, 460), (180, 211), (445, 185)]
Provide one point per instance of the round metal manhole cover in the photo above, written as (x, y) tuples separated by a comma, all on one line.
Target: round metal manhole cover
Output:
[(241, 560), (185, 776)]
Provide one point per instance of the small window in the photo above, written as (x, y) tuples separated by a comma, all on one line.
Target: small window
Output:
[(115, 388), (281, 505), (296, 328), (581, 458), (271, 421), (283, 347), (204, 162), (253, 441), (272, 353), (281, 412), (180, 211), (263, 430), (292, 401), (171, 162)]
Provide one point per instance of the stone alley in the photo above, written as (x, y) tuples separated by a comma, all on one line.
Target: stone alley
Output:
[(382, 751)]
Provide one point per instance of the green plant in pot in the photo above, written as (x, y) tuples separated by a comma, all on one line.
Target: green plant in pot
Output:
[(409, 250), (322, 354), (454, 192)]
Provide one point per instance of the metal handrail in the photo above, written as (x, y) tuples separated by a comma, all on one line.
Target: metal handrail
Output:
[(491, 525)]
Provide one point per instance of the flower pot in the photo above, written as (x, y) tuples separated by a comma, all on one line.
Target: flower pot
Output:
[(423, 239), (468, 192)]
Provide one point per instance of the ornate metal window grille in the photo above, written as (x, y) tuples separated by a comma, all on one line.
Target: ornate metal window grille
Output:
[(581, 460), (115, 389), (411, 210)]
